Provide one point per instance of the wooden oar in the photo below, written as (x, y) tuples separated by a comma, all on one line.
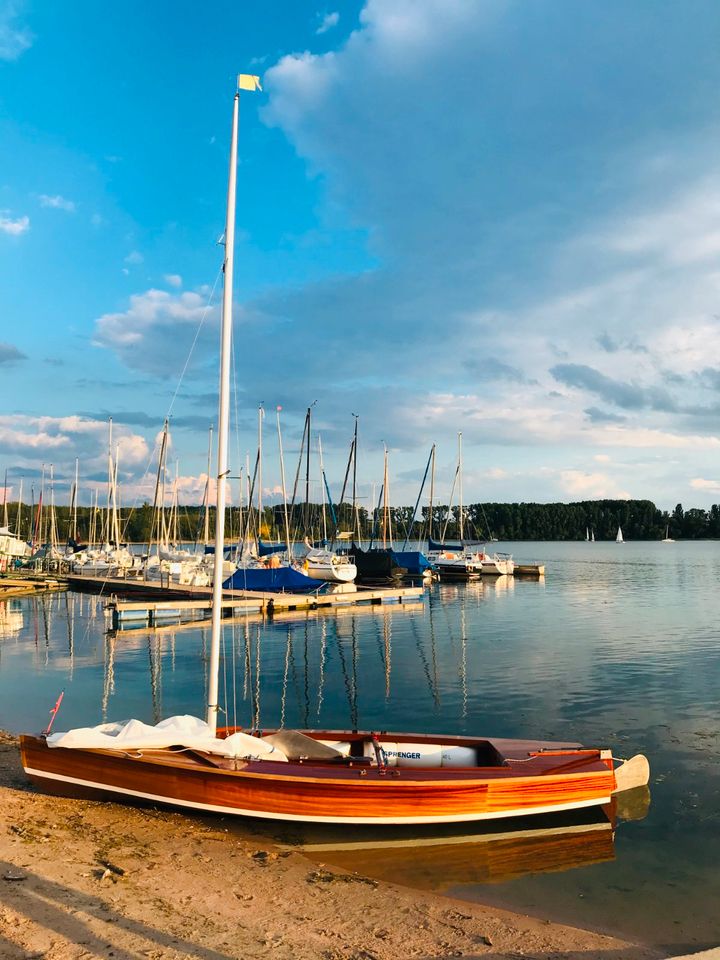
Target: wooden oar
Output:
[(634, 772)]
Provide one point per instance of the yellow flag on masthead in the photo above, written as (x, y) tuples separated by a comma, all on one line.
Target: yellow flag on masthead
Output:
[(246, 81)]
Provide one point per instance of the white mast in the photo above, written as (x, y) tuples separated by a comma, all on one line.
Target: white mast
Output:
[(75, 499), (460, 478), (261, 415), (18, 522), (53, 523), (245, 82), (107, 533), (322, 487), (432, 495), (284, 491), (115, 521), (206, 532), (386, 508)]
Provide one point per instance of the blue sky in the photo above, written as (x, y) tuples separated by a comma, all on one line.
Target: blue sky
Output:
[(479, 215)]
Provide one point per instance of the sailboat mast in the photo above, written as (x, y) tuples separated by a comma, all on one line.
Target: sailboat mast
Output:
[(261, 415), (206, 531), (5, 513), (42, 536), (432, 494), (115, 520), (306, 519), (385, 511), (156, 525), (282, 478), (223, 424), (322, 488), (107, 536), (18, 527), (75, 499), (52, 531), (356, 518), (460, 480)]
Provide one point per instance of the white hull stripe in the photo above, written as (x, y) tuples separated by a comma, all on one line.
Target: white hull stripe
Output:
[(267, 815)]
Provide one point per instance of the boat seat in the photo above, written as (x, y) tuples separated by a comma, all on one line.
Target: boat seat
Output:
[(298, 746)]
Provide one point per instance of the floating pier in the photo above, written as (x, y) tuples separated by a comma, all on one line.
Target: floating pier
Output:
[(129, 614), (23, 584)]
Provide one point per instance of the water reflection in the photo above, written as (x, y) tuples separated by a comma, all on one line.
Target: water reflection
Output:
[(454, 857), (11, 618)]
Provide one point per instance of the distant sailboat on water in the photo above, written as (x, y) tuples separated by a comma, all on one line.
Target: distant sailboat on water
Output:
[(667, 538), (619, 537)]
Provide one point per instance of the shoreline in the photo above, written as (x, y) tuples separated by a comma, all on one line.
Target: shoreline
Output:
[(83, 879)]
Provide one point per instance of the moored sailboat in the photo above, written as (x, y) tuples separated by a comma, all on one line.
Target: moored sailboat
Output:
[(320, 776), (465, 561)]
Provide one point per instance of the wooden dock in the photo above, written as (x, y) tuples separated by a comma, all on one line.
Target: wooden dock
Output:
[(153, 610), (24, 584)]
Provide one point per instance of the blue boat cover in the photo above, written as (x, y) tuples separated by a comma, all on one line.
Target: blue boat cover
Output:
[(265, 549), (228, 549), (272, 580), (457, 547), (414, 561)]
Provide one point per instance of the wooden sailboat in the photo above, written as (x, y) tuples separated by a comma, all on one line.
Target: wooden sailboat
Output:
[(319, 776)]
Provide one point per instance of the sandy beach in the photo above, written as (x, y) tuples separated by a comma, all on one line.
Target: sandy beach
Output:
[(82, 879)]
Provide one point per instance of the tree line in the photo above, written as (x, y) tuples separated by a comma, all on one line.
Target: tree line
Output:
[(639, 519)]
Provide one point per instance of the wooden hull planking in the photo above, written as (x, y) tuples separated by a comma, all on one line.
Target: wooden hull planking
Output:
[(317, 792)]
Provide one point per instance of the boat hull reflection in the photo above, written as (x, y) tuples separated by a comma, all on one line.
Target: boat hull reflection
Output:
[(439, 859)]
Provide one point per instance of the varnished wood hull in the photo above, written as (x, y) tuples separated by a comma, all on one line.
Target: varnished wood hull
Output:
[(324, 793)]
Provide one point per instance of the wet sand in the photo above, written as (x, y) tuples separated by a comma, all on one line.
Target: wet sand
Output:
[(81, 879)]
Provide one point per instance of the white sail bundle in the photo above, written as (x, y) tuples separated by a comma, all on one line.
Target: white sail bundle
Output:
[(182, 731)]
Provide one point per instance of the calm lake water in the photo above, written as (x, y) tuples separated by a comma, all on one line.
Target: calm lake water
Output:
[(618, 646)]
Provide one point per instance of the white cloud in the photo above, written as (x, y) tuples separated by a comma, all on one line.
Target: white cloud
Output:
[(134, 257), (690, 346), (685, 229), (14, 227), (329, 21), (14, 40), (647, 438), (711, 486), (32, 441), (57, 202), (174, 279), (158, 330), (585, 486)]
